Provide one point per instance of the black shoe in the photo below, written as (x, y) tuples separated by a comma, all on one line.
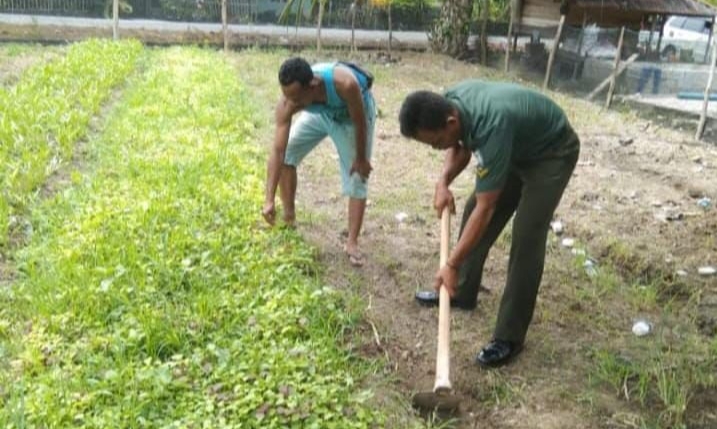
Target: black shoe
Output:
[(498, 353), (430, 299)]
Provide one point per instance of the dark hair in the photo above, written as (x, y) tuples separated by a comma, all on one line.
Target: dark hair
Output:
[(295, 69), (424, 110)]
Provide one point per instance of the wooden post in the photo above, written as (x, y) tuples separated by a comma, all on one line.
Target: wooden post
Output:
[(507, 40), (618, 54), (115, 19), (616, 73), (390, 30), (484, 33), (709, 39), (556, 44), (708, 89), (581, 38), (225, 27), (516, 10), (318, 25), (353, 26), (662, 32)]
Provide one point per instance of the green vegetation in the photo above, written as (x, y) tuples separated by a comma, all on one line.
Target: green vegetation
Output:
[(149, 297), (45, 114)]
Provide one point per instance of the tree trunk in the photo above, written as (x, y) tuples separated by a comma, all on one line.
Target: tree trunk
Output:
[(484, 32), (506, 68), (449, 34)]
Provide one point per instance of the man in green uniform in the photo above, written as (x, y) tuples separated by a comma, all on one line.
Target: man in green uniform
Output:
[(526, 151)]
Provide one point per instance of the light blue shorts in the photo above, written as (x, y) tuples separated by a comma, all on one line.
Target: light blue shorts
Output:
[(311, 128)]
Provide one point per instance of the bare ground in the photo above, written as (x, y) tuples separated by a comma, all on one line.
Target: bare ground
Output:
[(632, 206), (12, 64)]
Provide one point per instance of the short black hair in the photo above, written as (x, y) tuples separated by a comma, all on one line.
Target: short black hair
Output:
[(424, 110), (295, 69)]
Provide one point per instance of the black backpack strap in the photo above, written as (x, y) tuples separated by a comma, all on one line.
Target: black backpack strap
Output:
[(356, 67)]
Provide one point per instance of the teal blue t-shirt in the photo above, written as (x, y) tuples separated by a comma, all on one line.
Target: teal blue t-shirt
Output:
[(334, 106)]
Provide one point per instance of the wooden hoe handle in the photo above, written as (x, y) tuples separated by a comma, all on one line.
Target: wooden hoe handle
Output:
[(443, 382)]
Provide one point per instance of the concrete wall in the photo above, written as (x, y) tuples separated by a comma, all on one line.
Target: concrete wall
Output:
[(675, 77)]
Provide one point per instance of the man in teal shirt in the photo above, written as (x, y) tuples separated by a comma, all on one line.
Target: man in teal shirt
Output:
[(526, 151), (335, 101)]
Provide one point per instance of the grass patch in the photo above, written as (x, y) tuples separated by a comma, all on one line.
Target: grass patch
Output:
[(662, 378)]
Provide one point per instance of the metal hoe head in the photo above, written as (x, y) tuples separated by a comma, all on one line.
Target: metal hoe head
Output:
[(442, 401)]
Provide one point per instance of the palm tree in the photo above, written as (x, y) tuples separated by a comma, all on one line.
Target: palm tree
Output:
[(285, 13)]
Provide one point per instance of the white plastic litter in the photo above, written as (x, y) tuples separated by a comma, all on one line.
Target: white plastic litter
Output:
[(401, 217), (707, 271), (557, 227), (641, 328), (568, 242)]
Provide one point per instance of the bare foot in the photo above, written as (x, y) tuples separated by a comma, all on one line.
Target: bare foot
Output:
[(355, 256), (290, 221)]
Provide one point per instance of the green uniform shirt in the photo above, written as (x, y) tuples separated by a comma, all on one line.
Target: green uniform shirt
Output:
[(504, 124)]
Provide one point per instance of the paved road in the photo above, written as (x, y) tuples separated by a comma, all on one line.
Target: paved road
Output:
[(414, 38)]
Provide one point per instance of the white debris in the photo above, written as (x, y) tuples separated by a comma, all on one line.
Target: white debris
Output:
[(401, 217), (681, 273), (590, 268), (568, 242), (707, 271), (705, 203), (579, 252), (557, 227), (641, 328)]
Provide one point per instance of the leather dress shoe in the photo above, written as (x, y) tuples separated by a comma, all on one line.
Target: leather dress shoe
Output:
[(431, 299), (498, 353)]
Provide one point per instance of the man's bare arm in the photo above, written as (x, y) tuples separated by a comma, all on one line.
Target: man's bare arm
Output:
[(282, 116)]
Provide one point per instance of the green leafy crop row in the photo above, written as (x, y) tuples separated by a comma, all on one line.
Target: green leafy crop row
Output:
[(44, 115), (149, 296)]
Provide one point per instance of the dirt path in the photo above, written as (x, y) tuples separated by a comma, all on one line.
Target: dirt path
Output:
[(13, 64), (631, 177)]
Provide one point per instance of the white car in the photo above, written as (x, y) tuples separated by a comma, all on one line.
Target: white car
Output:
[(682, 36)]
